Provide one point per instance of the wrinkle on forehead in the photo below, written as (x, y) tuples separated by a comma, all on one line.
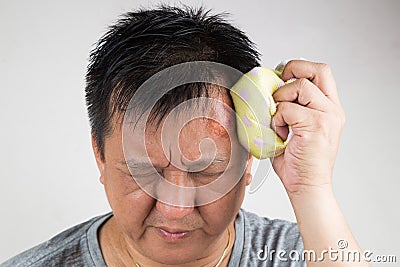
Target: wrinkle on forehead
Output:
[(219, 116), (217, 107), (219, 111), (193, 122)]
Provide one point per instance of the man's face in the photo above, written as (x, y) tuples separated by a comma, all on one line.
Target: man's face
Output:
[(164, 232)]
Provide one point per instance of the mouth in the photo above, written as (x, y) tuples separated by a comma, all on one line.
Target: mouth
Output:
[(173, 235)]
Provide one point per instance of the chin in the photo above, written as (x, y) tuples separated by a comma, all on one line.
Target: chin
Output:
[(174, 256)]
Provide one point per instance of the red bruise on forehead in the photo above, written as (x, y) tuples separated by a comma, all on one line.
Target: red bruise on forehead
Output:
[(200, 129), (206, 127), (219, 116), (224, 123), (217, 128)]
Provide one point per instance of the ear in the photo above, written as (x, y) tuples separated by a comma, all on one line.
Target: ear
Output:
[(97, 155), (248, 175)]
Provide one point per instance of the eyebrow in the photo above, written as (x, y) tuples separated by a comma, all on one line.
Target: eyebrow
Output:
[(136, 163), (219, 159), (141, 163)]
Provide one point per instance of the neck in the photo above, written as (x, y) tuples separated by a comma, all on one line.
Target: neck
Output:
[(118, 249)]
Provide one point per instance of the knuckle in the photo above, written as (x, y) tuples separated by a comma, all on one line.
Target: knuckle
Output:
[(307, 137), (281, 107), (289, 64), (303, 90), (324, 68), (303, 82)]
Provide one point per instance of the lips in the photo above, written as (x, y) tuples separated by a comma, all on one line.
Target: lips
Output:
[(173, 235)]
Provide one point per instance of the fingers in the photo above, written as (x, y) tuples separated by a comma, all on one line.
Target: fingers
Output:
[(318, 73), (295, 115), (310, 104), (305, 93), (281, 131)]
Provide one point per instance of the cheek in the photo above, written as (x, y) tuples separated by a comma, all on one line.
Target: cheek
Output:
[(130, 205), (220, 213)]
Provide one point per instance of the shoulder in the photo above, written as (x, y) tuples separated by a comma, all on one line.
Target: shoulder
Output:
[(70, 247), (265, 227), (263, 239)]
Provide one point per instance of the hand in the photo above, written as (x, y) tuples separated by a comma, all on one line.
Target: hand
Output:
[(310, 105)]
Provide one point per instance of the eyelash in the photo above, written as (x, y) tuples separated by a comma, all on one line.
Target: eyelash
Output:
[(145, 175), (190, 173), (206, 174)]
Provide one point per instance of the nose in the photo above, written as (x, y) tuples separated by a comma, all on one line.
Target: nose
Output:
[(171, 212), (175, 195)]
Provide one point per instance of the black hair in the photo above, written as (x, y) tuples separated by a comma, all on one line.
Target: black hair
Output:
[(142, 43)]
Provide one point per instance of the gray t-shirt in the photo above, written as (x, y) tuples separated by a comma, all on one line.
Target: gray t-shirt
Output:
[(259, 242)]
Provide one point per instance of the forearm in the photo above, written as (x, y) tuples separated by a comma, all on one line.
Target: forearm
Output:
[(322, 225), (310, 106)]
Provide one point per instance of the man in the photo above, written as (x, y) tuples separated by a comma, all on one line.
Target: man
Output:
[(151, 225)]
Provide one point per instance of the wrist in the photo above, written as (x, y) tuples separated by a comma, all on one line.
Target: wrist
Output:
[(321, 222), (301, 192), (314, 204)]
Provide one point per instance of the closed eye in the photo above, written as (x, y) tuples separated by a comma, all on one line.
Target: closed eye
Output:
[(144, 175), (208, 174)]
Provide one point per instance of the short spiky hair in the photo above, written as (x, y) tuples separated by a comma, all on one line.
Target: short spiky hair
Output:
[(144, 42)]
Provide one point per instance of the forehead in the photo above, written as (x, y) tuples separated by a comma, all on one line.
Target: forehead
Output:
[(200, 127), (205, 115)]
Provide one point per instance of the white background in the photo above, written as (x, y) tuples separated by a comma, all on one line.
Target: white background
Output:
[(49, 179)]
